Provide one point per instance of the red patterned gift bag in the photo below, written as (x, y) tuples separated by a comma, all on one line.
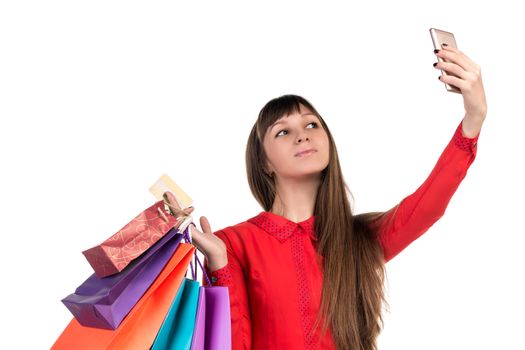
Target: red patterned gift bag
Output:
[(116, 252)]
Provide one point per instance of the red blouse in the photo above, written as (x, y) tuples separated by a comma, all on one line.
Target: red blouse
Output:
[(274, 276)]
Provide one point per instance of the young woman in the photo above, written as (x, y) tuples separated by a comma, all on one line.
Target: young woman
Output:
[(307, 261)]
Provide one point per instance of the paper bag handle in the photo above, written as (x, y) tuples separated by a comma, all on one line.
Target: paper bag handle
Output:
[(187, 238)]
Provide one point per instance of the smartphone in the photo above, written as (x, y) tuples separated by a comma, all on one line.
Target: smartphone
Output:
[(438, 38)]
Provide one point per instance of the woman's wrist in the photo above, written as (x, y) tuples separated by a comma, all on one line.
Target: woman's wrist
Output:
[(216, 263)]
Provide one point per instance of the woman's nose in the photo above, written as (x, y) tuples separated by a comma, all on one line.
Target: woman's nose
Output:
[(301, 138)]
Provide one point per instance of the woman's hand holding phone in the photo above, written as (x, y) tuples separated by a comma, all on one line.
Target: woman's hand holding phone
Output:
[(467, 78)]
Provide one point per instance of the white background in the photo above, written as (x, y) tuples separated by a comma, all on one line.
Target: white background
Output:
[(99, 98)]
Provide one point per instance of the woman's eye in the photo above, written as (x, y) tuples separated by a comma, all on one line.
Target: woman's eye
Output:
[(314, 123)]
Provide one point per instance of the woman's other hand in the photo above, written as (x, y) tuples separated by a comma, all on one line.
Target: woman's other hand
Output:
[(468, 80)]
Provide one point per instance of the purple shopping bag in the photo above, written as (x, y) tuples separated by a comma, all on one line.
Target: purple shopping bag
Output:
[(212, 323), (104, 302)]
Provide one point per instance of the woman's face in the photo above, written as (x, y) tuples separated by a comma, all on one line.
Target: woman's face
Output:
[(290, 135)]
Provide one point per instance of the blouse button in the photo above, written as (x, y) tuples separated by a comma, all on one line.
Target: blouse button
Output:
[(214, 279)]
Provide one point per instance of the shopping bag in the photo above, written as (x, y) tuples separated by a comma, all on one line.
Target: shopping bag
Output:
[(104, 302), (199, 317), (116, 252), (177, 329), (212, 321), (140, 327)]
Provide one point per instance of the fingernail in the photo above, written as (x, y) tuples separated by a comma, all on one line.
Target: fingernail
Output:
[(436, 50), (435, 64)]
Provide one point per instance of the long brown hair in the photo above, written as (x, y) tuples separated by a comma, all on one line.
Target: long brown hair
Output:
[(353, 263)]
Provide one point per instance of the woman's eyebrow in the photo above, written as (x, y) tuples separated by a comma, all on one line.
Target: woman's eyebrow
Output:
[(280, 122)]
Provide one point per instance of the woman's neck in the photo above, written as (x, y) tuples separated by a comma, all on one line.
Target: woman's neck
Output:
[(295, 200)]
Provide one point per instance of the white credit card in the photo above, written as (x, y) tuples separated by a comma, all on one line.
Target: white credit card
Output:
[(164, 184)]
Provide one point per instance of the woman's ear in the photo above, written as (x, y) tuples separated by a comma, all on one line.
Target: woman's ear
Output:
[(268, 170)]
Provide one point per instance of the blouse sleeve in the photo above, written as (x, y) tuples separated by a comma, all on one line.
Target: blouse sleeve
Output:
[(232, 276), (417, 212)]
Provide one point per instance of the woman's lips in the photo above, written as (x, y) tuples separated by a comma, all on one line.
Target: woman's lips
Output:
[(306, 152)]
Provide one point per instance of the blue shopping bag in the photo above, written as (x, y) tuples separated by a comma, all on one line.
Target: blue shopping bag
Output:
[(177, 329)]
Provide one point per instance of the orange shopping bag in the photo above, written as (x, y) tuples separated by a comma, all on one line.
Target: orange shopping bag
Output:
[(140, 327)]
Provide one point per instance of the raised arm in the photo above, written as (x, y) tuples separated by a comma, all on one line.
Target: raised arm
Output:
[(232, 276), (416, 213)]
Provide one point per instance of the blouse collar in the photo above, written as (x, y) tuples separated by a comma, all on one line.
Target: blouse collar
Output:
[(281, 227)]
